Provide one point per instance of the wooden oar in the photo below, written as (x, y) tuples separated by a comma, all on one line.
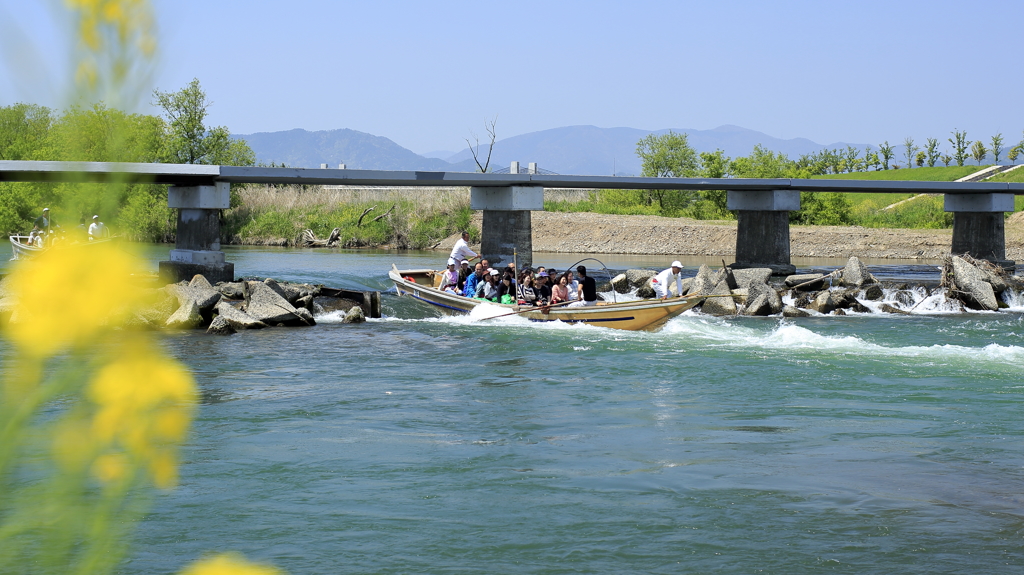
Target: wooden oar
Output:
[(535, 308)]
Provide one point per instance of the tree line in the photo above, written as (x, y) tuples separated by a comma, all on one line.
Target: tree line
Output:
[(101, 134)]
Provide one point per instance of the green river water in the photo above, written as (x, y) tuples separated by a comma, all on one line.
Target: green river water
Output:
[(422, 444)]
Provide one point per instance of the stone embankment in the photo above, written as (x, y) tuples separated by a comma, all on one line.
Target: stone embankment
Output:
[(966, 284), (228, 307)]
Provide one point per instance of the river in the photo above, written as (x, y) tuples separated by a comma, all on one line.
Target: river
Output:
[(421, 444)]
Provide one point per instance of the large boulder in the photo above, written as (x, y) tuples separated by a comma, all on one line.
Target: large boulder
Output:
[(823, 303), (886, 308), (205, 298), (266, 305), (355, 315), (638, 278), (200, 281), (187, 317), (220, 326), (807, 282), (705, 281), (790, 311), (764, 299), (306, 315), (620, 284), (645, 291), (747, 277), (237, 318), (856, 274), (974, 290), (231, 290), (873, 292), (720, 305)]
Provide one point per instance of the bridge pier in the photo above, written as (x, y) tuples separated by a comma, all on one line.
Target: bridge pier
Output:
[(197, 240), (507, 223), (978, 226), (762, 228)]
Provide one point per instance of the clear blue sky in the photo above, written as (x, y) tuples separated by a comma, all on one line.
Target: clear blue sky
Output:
[(425, 74)]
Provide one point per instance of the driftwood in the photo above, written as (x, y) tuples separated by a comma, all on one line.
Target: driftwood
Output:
[(384, 215), (310, 240), (359, 223)]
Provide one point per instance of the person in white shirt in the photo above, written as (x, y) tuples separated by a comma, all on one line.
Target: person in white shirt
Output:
[(461, 250), (662, 283), (97, 230)]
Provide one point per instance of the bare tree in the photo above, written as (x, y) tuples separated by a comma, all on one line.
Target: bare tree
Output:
[(489, 126)]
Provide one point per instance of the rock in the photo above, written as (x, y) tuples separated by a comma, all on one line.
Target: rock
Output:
[(638, 278), (804, 300), (856, 274), (749, 276), (975, 291), (305, 301), (771, 297), (268, 306), (790, 311), (220, 326), (838, 312), (705, 281), (205, 298), (187, 316), (729, 278), (873, 292), (237, 318), (620, 284), (327, 304), (355, 315), (273, 284), (720, 305), (998, 283), (823, 303), (307, 316), (800, 279), (645, 291), (231, 290), (687, 285), (200, 281), (758, 305), (741, 295), (886, 308), (859, 307), (904, 297)]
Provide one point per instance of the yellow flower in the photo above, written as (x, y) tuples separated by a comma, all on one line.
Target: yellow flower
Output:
[(228, 564), (65, 296), (110, 467)]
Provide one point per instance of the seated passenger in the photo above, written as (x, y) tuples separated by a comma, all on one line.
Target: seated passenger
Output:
[(464, 272), (506, 291), (488, 289), (574, 287), (469, 290), (526, 294), (560, 293), (450, 278), (542, 289)]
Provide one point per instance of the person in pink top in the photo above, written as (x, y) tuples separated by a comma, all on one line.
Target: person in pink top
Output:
[(560, 292)]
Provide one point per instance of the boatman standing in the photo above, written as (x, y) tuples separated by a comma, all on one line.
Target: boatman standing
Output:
[(662, 283), (97, 230), (461, 250), (589, 288), (43, 222)]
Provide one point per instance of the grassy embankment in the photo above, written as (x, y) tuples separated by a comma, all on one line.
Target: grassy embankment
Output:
[(269, 215)]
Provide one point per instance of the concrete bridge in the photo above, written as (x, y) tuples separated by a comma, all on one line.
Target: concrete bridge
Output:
[(762, 206)]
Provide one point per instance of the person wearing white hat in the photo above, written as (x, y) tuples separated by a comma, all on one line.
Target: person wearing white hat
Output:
[(43, 222), (450, 278), (97, 230), (662, 283)]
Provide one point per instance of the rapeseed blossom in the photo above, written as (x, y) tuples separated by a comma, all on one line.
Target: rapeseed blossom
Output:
[(228, 564)]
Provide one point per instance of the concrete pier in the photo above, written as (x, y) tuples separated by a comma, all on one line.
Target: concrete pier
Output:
[(507, 223), (978, 226), (197, 240), (762, 230)]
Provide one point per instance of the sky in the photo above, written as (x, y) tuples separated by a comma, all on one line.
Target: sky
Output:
[(428, 75)]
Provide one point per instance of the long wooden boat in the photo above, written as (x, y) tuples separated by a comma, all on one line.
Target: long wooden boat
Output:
[(634, 315), (23, 248)]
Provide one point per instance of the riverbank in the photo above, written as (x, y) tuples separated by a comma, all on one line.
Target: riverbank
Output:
[(583, 232)]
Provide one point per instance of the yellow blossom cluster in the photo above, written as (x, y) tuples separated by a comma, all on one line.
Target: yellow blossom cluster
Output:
[(73, 299), (111, 27), (228, 564)]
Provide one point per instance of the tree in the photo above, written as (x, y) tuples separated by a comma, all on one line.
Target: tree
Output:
[(493, 135), (978, 151), (188, 140), (853, 162), (1013, 154), (946, 159), (910, 151), (932, 151), (960, 145), (887, 154), (22, 130), (997, 147), (668, 156), (919, 159), (764, 163)]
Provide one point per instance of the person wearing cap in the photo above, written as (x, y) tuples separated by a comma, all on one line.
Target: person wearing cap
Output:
[(588, 288), (461, 250), (450, 278), (97, 230), (43, 222), (542, 288), (464, 272), (474, 279), (488, 289), (662, 283)]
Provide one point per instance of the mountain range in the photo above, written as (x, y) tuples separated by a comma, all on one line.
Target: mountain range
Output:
[(579, 150)]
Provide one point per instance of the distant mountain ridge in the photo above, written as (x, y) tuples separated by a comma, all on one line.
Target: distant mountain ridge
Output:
[(580, 150)]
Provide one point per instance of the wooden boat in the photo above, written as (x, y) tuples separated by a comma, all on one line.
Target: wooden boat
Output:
[(23, 248), (634, 315)]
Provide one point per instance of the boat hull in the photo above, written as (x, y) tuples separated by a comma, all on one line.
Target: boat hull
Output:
[(632, 316)]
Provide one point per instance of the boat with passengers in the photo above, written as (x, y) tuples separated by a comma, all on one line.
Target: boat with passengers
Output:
[(422, 284)]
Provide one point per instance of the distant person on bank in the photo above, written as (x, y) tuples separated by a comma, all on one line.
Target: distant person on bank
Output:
[(662, 283)]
